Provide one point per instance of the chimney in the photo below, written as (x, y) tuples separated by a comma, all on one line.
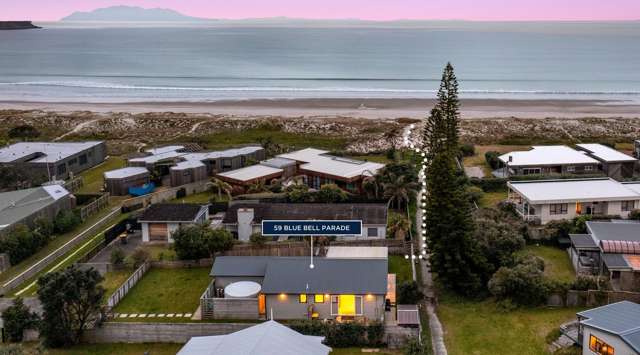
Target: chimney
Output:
[(245, 223)]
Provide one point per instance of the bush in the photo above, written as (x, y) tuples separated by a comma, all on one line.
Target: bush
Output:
[(65, 221), (409, 293), (523, 284), (467, 150), (331, 193), (20, 243), (257, 240), (139, 257), (17, 318), (499, 236), (342, 335), (298, 193), (43, 226), (117, 256), (491, 157), (199, 241), (635, 215), (490, 184), (475, 193), (586, 282)]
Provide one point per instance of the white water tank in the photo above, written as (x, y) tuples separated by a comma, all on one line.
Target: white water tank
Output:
[(242, 289)]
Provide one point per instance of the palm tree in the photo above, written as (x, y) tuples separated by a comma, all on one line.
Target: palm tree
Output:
[(398, 226), (257, 187), (399, 189), (371, 184), (220, 186)]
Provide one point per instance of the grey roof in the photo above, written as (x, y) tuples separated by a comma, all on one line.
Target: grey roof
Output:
[(622, 319), (240, 265), (18, 205), (583, 241), (125, 173), (615, 261), (278, 162), (44, 152), (369, 213), (614, 231), (293, 274), (268, 338)]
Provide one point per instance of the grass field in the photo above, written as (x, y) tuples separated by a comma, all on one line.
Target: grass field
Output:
[(166, 291), (480, 327), (479, 160), (354, 351), (401, 267), (93, 178), (491, 199), (557, 264), (116, 348), (227, 139)]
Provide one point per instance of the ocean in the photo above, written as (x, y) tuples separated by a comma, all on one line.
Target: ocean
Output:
[(597, 61)]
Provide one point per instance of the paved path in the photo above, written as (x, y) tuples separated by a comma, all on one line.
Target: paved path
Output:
[(435, 327)]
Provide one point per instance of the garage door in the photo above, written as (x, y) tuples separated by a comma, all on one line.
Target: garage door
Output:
[(157, 232)]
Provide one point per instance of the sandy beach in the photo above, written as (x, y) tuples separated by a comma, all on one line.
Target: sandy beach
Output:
[(358, 108)]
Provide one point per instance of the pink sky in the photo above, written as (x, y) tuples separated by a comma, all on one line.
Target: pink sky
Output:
[(511, 10)]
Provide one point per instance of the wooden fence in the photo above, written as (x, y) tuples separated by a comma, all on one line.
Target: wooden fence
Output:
[(74, 184), (122, 291), (298, 248), (95, 206)]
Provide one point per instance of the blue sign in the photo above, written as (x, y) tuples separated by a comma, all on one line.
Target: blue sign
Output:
[(311, 228)]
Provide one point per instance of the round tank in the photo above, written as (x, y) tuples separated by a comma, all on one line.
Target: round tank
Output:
[(242, 289)]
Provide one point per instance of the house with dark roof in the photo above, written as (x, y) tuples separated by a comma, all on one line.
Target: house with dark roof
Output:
[(613, 329), (25, 206), (243, 219), (289, 288), (160, 220), (611, 249)]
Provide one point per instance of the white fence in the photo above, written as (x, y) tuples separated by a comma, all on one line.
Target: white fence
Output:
[(121, 292)]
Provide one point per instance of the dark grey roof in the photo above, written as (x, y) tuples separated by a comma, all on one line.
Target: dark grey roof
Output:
[(171, 212), (240, 265), (622, 319), (615, 261), (343, 276), (583, 241), (293, 275), (369, 213), (614, 231)]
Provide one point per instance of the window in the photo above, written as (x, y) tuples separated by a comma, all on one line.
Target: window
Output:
[(588, 168), (318, 298), (62, 168), (627, 206), (558, 208), (302, 298), (531, 171), (73, 161), (599, 347), (571, 168), (83, 159), (372, 232)]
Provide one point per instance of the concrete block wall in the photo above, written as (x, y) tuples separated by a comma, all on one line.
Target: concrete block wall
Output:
[(121, 332)]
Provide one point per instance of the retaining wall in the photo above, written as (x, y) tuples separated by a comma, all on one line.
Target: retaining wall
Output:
[(122, 332)]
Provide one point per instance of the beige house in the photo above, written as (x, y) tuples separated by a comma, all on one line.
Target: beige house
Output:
[(543, 201)]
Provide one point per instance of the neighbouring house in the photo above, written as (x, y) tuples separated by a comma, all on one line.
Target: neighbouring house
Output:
[(161, 160), (636, 148), (46, 161), (161, 219), (25, 206), (269, 337), (613, 329), (611, 249), (117, 182), (547, 160), (250, 175), (543, 201), (318, 167), (613, 163), (245, 218), (187, 172), (337, 252), (268, 287)]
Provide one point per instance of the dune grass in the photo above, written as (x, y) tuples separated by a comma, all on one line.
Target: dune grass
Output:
[(231, 138)]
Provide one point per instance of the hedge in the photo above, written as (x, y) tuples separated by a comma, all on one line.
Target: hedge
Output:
[(343, 335)]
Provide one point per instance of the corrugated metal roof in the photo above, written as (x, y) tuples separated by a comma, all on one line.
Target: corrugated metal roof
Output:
[(614, 231), (583, 241), (319, 161), (622, 318), (615, 261), (573, 190), (268, 338), (408, 314), (17, 205), (250, 172)]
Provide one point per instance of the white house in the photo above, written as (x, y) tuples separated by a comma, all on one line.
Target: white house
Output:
[(543, 201), (613, 329), (160, 220)]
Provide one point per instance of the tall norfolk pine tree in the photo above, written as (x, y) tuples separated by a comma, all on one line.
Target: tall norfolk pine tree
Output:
[(455, 255)]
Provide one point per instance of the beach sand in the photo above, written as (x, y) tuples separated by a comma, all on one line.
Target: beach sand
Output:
[(360, 108)]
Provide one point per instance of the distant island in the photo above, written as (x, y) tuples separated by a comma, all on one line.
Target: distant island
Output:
[(130, 14), (17, 25)]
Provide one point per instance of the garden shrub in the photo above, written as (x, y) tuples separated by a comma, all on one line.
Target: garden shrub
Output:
[(257, 240), (342, 335), (65, 221), (587, 282), (467, 150), (409, 293), (491, 157), (117, 256), (139, 256), (18, 318), (523, 284)]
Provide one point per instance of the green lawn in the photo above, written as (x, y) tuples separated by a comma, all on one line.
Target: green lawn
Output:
[(491, 199), (227, 139), (120, 349), (479, 328), (557, 264), (166, 291), (203, 198), (354, 351), (93, 178), (113, 280), (54, 244), (401, 267)]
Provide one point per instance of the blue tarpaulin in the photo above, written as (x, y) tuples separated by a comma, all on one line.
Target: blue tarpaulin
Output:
[(142, 190)]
